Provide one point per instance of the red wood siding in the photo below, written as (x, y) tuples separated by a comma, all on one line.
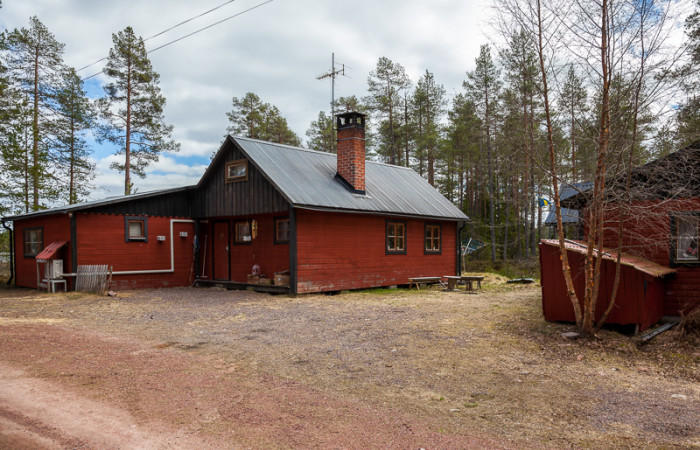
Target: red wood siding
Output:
[(647, 233), (100, 240), (56, 227), (348, 251), (640, 298), (262, 250)]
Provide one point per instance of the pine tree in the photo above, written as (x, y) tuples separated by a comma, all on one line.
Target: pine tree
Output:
[(76, 116), (35, 62), (482, 87), (430, 100), (385, 85), (133, 108), (572, 103), (321, 135), (251, 117)]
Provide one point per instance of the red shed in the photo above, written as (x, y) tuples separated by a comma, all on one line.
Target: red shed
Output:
[(261, 213), (661, 232), (640, 296)]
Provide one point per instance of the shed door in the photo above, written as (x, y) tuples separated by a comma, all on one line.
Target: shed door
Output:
[(220, 251)]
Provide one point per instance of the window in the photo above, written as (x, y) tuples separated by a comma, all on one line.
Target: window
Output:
[(33, 241), (245, 231), (396, 237), (282, 231), (686, 234), (432, 238), (135, 229), (237, 170)]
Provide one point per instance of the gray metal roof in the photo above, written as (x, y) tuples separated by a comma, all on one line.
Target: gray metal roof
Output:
[(568, 215), (97, 203), (306, 178)]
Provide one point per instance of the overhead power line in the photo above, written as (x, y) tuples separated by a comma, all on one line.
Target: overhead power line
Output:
[(187, 35), (166, 30)]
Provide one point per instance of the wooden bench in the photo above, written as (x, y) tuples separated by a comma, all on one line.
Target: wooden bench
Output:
[(425, 280), (469, 279), (453, 279)]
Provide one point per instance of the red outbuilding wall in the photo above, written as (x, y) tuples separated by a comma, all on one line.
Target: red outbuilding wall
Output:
[(338, 251), (640, 297), (647, 233), (56, 228), (101, 240)]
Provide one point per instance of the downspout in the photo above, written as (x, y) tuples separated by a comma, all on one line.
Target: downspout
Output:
[(292, 250), (172, 254), (459, 247), (12, 252)]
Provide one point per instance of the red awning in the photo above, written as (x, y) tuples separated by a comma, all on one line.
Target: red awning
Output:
[(634, 261), (50, 250)]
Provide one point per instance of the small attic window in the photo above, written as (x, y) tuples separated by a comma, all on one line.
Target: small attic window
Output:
[(237, 170)]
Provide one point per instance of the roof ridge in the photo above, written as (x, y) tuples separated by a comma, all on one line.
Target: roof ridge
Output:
[(303, 149)]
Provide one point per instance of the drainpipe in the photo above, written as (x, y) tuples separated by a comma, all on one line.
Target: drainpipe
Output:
[(12, 252), (172, 255)]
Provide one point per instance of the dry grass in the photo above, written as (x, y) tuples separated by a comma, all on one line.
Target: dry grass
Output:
[(484, 362)]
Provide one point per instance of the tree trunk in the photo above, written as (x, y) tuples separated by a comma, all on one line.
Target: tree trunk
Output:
[(35, 133), (127, 147)]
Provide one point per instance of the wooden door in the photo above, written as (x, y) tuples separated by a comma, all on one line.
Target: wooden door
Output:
[(221, 244)]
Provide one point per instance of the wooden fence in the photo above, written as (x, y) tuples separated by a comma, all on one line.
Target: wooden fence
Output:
[(93, 278)]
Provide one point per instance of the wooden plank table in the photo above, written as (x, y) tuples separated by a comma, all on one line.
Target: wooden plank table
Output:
[(418, 280), (453, 279)]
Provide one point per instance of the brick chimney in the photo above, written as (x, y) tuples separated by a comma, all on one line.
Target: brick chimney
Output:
[(351, 150)]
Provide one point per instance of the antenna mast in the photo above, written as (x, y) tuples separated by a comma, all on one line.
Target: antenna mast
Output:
[(332, 74)]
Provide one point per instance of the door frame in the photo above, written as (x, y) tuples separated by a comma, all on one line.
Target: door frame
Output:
[(228, 249)]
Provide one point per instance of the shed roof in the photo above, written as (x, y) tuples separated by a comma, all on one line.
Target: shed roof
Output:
[(636, 262), (50, 250), (98, 203)]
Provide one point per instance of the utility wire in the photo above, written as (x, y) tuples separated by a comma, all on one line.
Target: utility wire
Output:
[(212, 25), (165, 31), (186, 36)]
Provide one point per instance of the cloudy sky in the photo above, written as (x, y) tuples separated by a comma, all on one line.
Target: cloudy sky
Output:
[(276, 50)]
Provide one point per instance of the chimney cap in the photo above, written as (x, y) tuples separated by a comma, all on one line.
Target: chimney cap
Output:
[(352, 119)]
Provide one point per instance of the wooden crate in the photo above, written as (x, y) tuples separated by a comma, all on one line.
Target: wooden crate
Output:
[(281, 279)]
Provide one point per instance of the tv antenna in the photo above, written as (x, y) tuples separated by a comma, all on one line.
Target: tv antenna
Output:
[(334, 72)]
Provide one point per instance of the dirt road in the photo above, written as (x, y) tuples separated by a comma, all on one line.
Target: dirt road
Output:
[(184, 368)]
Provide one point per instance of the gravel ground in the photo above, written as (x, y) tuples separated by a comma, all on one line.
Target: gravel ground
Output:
[(428, 368)]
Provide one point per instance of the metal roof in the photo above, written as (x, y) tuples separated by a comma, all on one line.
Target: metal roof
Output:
[(636, 262), (568, 215), (96, 203), (307, 179), (50, 250)]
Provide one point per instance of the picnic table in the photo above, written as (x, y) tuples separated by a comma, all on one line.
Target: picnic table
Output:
[(424, 280), (467, 279)]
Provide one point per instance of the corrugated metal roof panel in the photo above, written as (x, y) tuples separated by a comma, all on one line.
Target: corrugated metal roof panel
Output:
[(97, 203), (307, 179), (50, 250), (636, 262), (567, 216)]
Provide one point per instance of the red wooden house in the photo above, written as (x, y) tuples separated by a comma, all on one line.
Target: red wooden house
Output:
[(661, 227), (329, 222)]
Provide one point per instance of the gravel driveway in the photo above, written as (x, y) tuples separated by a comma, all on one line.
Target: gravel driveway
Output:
[(390, 368)]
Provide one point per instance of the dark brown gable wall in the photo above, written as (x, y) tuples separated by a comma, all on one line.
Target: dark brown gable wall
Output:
[(216, 198)]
